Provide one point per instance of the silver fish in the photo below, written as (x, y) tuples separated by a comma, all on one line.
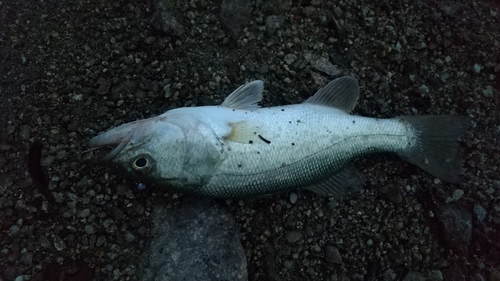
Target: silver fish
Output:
[(238, 149)]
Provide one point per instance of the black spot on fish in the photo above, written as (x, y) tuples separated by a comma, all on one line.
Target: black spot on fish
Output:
[(282, 109), (264, 140), (290, 122), (250, 141), (239, 165), (298, 121), (283, 165), (354, 121), (293, 143)]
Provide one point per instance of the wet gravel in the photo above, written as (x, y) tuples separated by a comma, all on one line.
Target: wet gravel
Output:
[(71, 69)]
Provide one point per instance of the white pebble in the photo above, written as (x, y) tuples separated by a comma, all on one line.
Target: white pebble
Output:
[(293, 198)]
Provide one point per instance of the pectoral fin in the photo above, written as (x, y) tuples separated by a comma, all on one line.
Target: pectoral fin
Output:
[(247, 133), (343, 184)]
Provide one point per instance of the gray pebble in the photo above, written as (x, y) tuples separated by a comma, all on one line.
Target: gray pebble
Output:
[(89, 229), (61, 154), (414, 276), (44, 241), (477, 68), (273, 22), (290, 58), (436, 275), (85, 213), (445, 77), (129, 236), (480, 212), (293, 198), (100, 241), (288, 264), (477, 277), (332, 255), (322, 64), (14, 231), (25, 132), (488, 91), (27, 258), (107, 223), (293, 236), (59, 244), (424, 89), (457, 194)]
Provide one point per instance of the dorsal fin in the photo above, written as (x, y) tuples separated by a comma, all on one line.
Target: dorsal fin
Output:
[(246, 96), (341, 93)]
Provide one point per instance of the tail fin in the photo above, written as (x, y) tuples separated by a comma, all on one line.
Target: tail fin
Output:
[(436, 150)]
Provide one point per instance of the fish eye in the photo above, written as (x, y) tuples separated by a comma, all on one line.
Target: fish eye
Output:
[(143, 163)]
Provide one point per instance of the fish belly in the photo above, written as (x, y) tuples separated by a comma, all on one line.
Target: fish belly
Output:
[(299, 145)]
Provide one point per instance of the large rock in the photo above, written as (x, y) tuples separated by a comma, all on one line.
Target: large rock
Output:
[(235, 14), (197, 240), (456, 225), (164, 19)]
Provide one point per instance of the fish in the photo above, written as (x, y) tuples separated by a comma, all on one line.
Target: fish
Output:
[(238, 149)]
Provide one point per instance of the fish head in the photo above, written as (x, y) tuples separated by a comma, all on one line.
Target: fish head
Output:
[(151, 150)]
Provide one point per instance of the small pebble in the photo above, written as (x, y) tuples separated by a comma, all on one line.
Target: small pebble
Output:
[(89, 229), (85, 213), (457, 194), (424, 89), (293, 236), (59, 244), (293, 198), (480, 212), (477, 68)]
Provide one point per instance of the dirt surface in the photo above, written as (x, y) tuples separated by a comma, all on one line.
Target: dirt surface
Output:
[(71, 69)]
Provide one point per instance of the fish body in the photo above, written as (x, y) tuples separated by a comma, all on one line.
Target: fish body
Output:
[(238, 149)]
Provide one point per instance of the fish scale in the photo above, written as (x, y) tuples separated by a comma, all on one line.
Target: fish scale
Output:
[(323, 143)]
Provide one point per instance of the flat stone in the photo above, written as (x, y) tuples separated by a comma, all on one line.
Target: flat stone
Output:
[(198, 240)]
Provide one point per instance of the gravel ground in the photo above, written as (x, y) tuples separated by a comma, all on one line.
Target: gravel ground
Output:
[(71, 69)]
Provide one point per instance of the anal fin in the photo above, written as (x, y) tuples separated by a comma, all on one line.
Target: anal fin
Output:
[(343, 184)]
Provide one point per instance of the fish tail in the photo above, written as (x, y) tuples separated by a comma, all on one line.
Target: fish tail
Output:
[(435, 148)]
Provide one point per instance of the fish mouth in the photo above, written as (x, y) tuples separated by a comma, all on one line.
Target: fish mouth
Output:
[(114, 148), (118, 138), (115, 139)]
